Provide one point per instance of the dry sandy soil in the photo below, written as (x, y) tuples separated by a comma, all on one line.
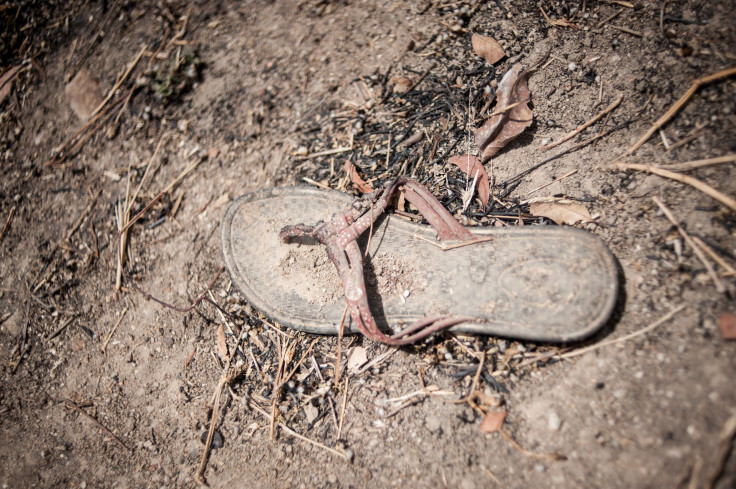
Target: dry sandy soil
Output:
[(244, 90)]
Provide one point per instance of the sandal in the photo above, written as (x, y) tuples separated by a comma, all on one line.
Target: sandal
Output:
[(540, 283)]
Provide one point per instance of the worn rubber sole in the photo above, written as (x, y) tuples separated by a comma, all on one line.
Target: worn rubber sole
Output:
[(543, 283)]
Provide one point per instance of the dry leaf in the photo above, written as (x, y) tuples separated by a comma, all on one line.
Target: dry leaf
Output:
[(221, 342), (401, 84), (83, 94), (727, 323), (357, 358), (562, 212), (493, 421), (503, 127), (487, 48), (6, 82), (358, 182), (470, 165)]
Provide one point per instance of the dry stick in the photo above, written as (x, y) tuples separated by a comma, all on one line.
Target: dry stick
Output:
[(69, 234), (224, 379), (61, 328), (108, 337), (663, 319), (515, 444), (106, 115), (679, 104), (698, 252), (580, 129), (726, 440), (627, 30), (421, 78), (325, 153), (82, 59), (571, 149), (553, 181), (693, 182), (293, 433), (695, 164), (121, 79), (342, 411), (446, 247), (716, 258), (341, 330), (62, 149), (688, 137), (81, 411), (7, 224), (608, 19)]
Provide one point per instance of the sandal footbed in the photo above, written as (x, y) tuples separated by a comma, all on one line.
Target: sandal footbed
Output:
[(543, 283)]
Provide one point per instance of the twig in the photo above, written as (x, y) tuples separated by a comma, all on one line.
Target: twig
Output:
[(121, 80), (571, 149), (580, 129), (7, 224), (726, 440), (342, 410), (226, 378), (693, 182), (679, 104), (293, 433), (421, 78), (553, 181), (696, 249), (61, 328), (716, 258), (662, 320), (608, 19), (328, 152), (340, 332), (688, 137), (446, 247), (91, 44), (627, 30), (81, 411), (515, 444), (112, 330), (377, 360), (695, 164)]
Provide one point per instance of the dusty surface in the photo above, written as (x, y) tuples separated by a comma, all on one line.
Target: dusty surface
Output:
[(265, 82)]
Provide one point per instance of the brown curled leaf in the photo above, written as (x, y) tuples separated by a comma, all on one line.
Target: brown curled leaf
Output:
[(500, 129), (358, 182), (221, 342), (470, 165), (561, 212), (492, 421), (487, 48)]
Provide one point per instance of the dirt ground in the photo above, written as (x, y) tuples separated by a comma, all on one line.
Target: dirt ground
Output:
[(243, 96)]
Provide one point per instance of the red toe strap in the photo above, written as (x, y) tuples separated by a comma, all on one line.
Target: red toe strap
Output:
[(341, 233)]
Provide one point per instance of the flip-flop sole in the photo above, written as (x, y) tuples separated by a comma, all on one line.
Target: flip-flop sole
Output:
[(542, 283)]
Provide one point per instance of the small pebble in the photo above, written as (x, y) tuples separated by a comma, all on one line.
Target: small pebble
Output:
[(553, 421), (572, 67)]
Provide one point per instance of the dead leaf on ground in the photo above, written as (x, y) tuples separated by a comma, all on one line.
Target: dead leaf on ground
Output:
[(561, 212), (727, 323), (401, 84), (221, 342), (83, 94), (487, 48), (470, 165), (500, 129), (357, 358), (6, 82), (493, 421), (358, 182)]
